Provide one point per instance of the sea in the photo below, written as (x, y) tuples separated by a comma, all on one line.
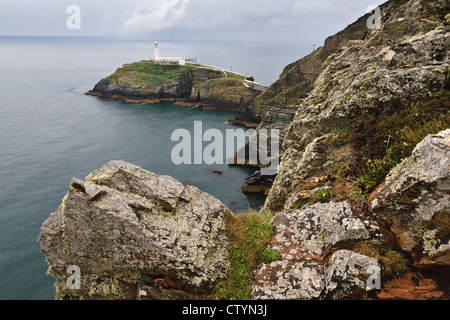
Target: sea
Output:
[(50, 131)]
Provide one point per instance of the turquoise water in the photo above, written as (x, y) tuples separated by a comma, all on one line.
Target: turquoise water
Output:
[(50, 132)]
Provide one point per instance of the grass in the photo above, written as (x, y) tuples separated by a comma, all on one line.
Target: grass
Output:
[(324, 194), (344, 170), (148, 74), (270, 255), (380, 143), (223, 82), (394, 263), (396, 30), (151, 73), (340, 137), (293, 95), (249, 233)]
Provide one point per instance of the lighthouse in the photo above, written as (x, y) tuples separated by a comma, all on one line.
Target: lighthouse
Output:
[(156, 51), (160, 59)]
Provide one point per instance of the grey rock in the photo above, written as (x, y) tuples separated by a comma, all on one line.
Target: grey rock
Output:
[(123, 225), (404, 62), (414, 201), (319, 227), (346, 274), (348, 271), (319, 158), (305, 238), (287, 280)]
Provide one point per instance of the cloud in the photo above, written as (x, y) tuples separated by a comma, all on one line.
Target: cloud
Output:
[(259, 20), (162, 17), (209, 20)]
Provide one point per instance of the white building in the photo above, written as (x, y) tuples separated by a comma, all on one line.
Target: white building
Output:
[(180, 60)]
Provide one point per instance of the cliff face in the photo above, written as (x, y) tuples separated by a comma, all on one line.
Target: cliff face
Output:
[(414, 201), (353, 150), (403, 62), (329, 248), (362, 191), (276, 107), (134, 235), (190, 85)]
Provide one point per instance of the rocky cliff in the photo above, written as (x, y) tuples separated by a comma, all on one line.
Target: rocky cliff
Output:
[(357, 136), (331, 248), (132, 234), (190, 85), (276, 107), (402, 63), (136, 235), (359, 208)]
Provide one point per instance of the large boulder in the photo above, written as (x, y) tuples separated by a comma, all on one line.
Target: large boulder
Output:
[(134, 234), (315, 230), (312, 264), (414, 201)]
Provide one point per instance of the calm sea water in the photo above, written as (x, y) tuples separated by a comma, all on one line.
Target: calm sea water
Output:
[(50, 132)]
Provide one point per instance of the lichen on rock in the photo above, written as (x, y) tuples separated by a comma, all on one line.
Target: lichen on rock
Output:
[(124, 227), (414, 201), (385, 71), (348, 271), (306, 239)]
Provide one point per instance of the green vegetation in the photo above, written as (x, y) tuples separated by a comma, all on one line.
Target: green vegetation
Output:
[(358, 195), (235, 76), (340, 137), (380, 143), (324, 194), (394, 263), (294, 94), (270, 255), (225, 82), (249, 233), (344, 170), (396, 30), (146, 73)]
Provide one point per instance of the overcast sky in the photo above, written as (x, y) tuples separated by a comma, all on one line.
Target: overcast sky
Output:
[(201, 20)]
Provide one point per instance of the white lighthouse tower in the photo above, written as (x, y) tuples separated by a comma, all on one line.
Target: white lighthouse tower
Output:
[(157, 58)]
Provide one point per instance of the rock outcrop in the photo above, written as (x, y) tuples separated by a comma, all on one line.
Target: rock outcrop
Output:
[(328, 87), (308, 268), (414, 201), (404, 61), (191, 85), (276, 107), (317, 242), (393, 67), (258, 183), (136, 235)]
